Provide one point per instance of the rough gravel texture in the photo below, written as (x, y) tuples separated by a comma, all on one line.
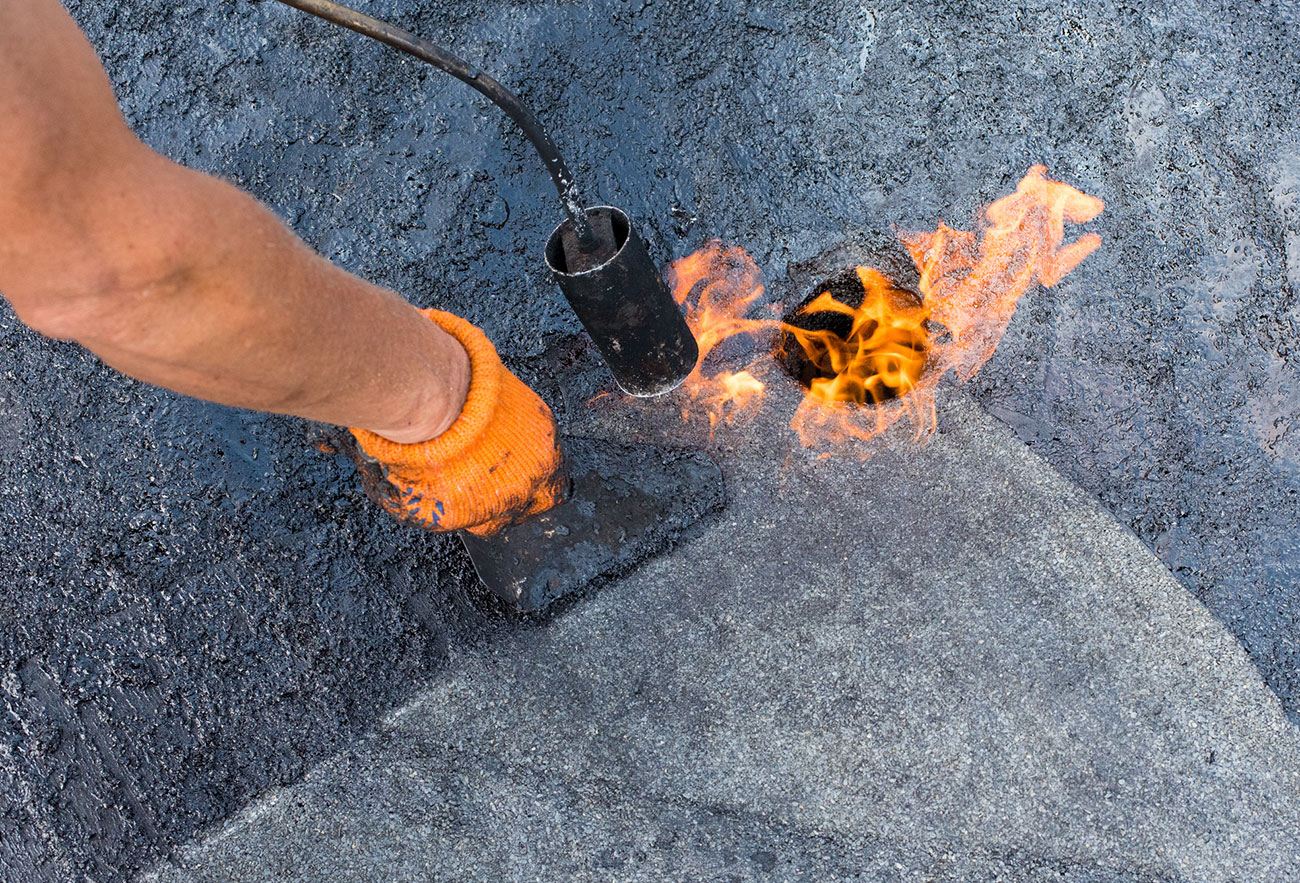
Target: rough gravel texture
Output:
[(967, 671), (197, 605)]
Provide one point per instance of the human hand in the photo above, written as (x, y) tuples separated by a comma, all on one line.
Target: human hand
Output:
[(498, 463)]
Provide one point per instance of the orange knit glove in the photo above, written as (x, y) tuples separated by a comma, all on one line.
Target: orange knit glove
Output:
[(497, 464)]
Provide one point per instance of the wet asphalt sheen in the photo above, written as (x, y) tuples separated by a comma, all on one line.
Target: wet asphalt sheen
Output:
[(198, 605)]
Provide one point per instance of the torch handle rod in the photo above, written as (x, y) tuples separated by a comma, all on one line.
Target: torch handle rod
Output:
[(488, 86)]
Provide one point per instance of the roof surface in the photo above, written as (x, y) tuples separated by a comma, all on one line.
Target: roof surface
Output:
[(947, 661), (197, 605)]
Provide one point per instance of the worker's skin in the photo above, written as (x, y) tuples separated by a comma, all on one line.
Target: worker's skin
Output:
[(179, 279)]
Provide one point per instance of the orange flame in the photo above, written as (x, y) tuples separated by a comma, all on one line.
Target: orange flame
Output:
[(882, 362), (718, 286), (884, 353), (972, 288), (895, 353)]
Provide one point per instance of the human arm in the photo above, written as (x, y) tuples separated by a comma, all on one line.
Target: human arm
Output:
[(181, 280)]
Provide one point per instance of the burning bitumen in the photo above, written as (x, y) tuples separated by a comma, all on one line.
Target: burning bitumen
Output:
[(857, 338), (867, 350)]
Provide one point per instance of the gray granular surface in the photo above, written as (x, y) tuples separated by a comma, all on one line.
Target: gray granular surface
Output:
[(945, 664), (197, 605)]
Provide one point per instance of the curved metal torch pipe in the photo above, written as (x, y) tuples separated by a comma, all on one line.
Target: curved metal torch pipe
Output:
[(495, 92)]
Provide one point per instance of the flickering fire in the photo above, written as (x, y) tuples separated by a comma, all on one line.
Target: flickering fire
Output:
[(972, 287), (895, 345), (718, 286), (883, 355), (881, 360)]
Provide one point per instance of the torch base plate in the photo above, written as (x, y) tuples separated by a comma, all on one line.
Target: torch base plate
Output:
[(628, 503)]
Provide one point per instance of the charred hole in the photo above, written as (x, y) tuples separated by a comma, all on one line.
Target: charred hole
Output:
[(856, 337)]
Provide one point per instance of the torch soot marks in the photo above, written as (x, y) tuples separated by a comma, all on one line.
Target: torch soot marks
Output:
[(868, 351)]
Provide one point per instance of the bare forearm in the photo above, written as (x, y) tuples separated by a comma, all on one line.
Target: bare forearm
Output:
[(247, 315), (179, 279)]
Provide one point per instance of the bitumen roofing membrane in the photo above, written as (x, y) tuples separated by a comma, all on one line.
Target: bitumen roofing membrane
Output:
[(1059, 642), (950, 664)]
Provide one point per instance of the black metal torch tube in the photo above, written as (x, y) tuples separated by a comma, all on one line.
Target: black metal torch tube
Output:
[(626, 307), (471, 76)]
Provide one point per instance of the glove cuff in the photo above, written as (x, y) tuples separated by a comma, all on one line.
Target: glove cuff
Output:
[(485, 380)]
